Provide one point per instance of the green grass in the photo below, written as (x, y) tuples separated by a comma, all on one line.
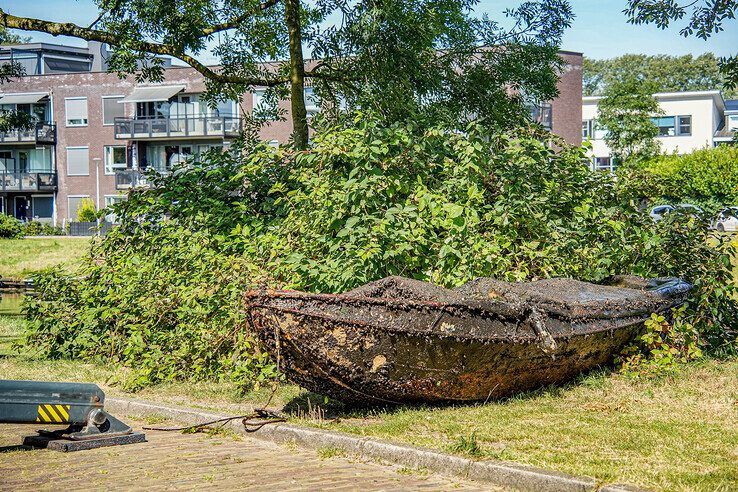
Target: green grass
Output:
[(21, 257)]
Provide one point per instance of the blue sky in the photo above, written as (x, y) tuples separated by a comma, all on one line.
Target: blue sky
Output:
[(599, 31)]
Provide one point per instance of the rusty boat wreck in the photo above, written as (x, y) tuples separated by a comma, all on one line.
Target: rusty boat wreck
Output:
[(399, 340)]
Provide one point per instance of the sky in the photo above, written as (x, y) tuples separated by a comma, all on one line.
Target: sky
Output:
[(600, 29)]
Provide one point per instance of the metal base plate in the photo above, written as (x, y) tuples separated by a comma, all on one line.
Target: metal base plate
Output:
[(67, 445)]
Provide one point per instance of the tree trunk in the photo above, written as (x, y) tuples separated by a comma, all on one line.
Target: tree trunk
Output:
[(297, 74)]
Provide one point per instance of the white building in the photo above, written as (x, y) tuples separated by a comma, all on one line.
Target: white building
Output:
[(690, 121)]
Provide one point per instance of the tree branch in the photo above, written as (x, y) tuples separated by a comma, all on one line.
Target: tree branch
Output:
[(73, 30), (236, 21)]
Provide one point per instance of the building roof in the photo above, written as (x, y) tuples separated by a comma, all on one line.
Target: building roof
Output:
[(716, 95), (48, 47)]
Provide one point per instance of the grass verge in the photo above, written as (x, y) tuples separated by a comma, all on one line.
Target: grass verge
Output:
[(22, 257)]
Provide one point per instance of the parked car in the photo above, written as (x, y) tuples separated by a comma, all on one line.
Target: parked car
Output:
[(659, 211), (727, 220)]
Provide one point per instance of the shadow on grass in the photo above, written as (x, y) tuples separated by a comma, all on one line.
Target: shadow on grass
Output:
[(313, 406)]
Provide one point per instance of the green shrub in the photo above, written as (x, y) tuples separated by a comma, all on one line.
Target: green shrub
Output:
[(37, 228), (10, 227), (86, 211), (162, 291), (708, 177)]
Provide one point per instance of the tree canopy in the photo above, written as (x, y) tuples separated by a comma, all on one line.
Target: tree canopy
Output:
[(399, 58), (700, 18), (626, 112), (666, 73)]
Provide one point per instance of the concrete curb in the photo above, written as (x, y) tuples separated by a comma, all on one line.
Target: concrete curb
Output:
[(508, 475)]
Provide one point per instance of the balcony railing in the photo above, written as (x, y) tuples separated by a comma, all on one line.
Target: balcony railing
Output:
[(132, 178), (27, 181), (192, 126), (42, 133)]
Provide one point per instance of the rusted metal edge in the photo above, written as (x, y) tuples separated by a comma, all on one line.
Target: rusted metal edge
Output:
[(616, 324), (503, 474), (505, 309)]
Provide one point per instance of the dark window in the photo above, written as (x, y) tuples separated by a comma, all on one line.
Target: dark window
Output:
[(685, 125), (542, 114), (112, 109), (43, 207), (63, 66)]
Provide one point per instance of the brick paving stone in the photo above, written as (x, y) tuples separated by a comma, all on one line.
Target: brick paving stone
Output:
[(176, 461)]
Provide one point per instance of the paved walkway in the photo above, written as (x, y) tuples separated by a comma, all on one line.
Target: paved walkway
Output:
[(176, 461)]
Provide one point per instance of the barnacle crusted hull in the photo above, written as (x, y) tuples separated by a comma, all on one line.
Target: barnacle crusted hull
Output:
[(403, 341)]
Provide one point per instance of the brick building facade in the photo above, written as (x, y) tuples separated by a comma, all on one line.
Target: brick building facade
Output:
[(108, 129)]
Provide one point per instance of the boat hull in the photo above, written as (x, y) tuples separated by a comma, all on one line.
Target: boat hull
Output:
[(433, 345), (358, 364)]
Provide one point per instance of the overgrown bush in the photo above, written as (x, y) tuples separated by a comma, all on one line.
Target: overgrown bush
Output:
[(10, 227), (708, 177), (161, 292)]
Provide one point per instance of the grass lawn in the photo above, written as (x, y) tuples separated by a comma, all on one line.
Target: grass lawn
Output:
[(21, 257)]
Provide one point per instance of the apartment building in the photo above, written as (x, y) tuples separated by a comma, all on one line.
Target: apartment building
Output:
[(690, 121), (97, 133)]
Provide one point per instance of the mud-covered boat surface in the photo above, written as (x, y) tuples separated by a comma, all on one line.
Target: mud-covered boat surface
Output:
[(399, 340)]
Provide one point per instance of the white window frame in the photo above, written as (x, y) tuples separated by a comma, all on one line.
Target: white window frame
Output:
[(312, 102), (587, 126), (113, 166), (679, 125), (111, 216), (79, 147), (66, 120), (102, 107), (69, 209)]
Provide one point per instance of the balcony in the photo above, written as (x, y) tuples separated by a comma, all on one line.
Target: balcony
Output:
[(167, 128), (132, 178), (10, 181), (42, 134)]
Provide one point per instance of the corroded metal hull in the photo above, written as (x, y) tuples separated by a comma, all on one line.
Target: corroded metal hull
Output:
[(403, 341)]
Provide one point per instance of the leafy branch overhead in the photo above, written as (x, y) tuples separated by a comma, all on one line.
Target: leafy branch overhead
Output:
[(402, 59)]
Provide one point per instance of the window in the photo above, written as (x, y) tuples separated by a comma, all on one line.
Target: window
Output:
[(111, 200), (671, 126), (112, 109), (586, 129), (76, 111), (312, 102), (666, 124), (36, 160), (115, 159), (73, 203), (604, 164), (542, 114), (733, 122), (78, 161), (598, 131), (43, 207)]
